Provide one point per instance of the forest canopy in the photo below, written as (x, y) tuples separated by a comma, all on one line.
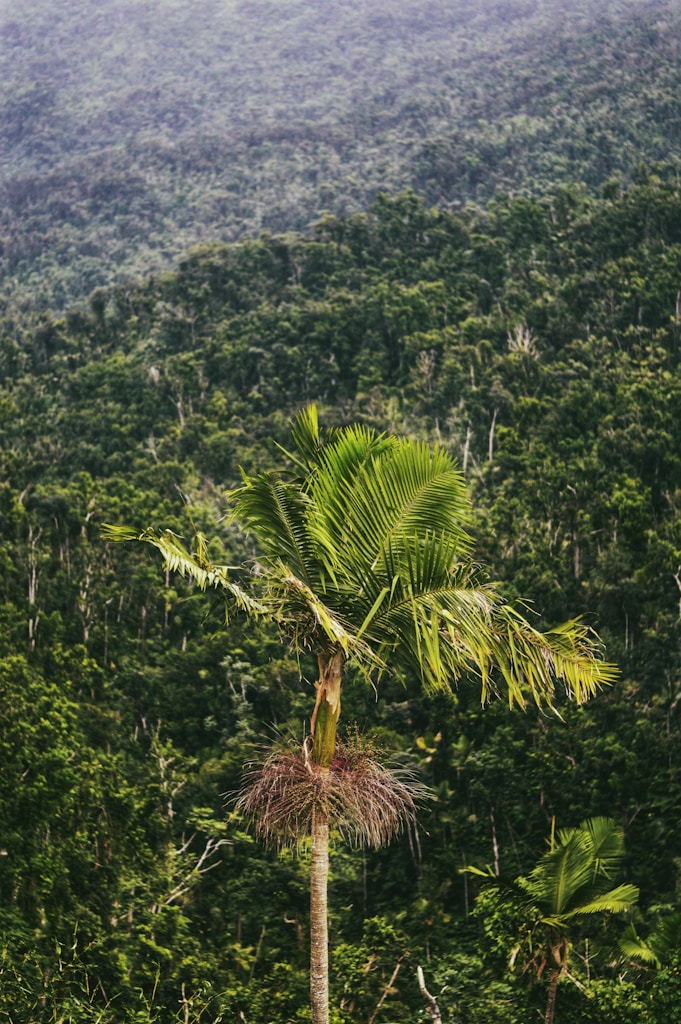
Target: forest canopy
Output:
[(453, 223), (132, 130), (537, 341)]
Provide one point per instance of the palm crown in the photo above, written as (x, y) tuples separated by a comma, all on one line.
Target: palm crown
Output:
[(365, 552), (574, 878)]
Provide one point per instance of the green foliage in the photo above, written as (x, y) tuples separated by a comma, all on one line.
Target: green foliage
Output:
[(537, 342), (536, 921), (664, 993)]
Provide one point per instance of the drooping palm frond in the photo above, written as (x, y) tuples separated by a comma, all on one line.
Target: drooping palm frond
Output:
[(193, 564), (445, 617), (530, 661), (434, 614)]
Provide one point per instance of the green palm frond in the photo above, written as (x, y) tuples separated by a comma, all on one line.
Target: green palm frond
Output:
[(663, 943), (634, 947), (614, 901), (306, 435), (308, 440), (448, 618), (277, 514), (373, 492), (557, 878), (195, 565), (439, 625), (603, 843), (572, 879), (530, 661)]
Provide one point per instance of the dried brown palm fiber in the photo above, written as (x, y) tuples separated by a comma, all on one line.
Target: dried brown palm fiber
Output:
[(366, 801)]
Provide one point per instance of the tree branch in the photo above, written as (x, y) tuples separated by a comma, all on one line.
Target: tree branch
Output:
[(431, 1001)]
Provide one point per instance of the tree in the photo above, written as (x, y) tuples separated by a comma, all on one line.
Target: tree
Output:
[(661, 946), (661, 950), (365, 561), (571, 881)]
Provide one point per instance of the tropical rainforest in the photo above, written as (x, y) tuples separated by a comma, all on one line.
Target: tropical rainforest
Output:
[(460, 225)]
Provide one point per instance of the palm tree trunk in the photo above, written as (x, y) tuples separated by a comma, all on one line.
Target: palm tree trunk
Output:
[(551, 1001), (327, 708), (323, 728), (319, 929)]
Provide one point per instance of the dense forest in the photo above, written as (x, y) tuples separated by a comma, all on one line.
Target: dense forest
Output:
[(451, 222), (536, 340), (132, 129)]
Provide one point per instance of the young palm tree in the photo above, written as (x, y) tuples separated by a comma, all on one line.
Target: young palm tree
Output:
[(662, 944), (365, 562), (572, 880)]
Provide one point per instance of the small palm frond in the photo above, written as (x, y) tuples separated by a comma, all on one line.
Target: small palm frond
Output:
[(195, 565), (307, 438), (663, 943), (634, 947), (352, 445), (603, 843), (306, 435), (557, 878)]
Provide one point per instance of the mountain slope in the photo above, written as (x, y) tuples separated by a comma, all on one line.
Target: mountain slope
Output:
[(131, 130)]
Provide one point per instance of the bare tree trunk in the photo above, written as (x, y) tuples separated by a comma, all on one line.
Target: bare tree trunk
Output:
[(551, 1001), (490, 447), (319, 929), (431, 1002)]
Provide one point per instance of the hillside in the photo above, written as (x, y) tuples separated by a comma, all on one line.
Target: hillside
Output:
[(538, 340), (132, 130)]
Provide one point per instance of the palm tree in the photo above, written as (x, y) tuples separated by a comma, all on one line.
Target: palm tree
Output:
[(661, 946), (571, 881), (365, 562), (661, 950)]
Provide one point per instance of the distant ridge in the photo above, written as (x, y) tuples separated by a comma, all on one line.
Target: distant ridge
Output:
[(130, 131)]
